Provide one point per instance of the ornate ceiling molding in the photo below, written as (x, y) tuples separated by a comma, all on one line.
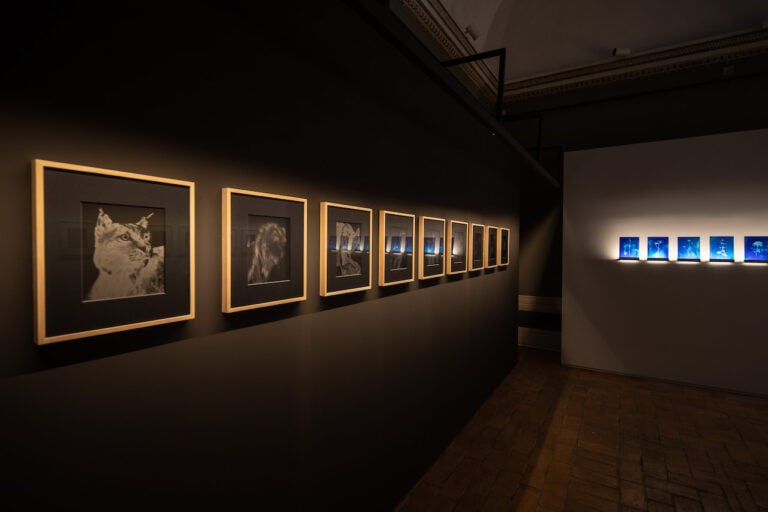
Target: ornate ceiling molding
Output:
[(714, 51), (445, 35), (443, 32)]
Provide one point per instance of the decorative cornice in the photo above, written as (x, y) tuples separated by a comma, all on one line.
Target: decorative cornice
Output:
[(438, 24), (446, 35), (714, 51)]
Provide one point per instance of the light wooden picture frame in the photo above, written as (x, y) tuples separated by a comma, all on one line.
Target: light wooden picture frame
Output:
[(431, 247), (345, 248), (476, 252), (504, 242), (491, 246), (264, 249), (113, 250), (397, 232), (457, 247)]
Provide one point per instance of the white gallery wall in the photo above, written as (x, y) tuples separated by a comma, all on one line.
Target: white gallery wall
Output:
[(700, 323)]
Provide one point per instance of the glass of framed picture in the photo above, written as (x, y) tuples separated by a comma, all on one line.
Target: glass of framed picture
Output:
[(396, 247), (688, 248), (476, 246), (113, 251), (457, 242), (345, 249), (721, 248), (503, 246), (264, 249), (492, 246), (629, 247), (756, 249), (431, 247), (658, 248)]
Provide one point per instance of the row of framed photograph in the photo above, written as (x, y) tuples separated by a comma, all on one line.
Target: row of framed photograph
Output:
[(346, 258), (115, 250), (721, 248)]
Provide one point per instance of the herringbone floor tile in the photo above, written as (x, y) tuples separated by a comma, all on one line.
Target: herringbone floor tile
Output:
[(554, 439)]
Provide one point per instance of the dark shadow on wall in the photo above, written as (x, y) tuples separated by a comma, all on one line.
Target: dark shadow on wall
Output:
[(428, 283), (395, 289), (249, 318), (541, 231), (452, 278), (109, 345)]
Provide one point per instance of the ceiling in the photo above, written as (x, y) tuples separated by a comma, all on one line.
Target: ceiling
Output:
[(548, 36), (555, 46)]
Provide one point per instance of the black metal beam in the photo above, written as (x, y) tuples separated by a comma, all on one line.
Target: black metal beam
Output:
[(501, 53), (381, 18)]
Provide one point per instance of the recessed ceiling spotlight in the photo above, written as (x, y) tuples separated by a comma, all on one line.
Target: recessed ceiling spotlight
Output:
[(621, 52)]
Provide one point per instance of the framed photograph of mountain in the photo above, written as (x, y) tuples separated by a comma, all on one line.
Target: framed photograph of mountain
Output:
[(345, 249), (113, 251), (756, 249), (264, 249), (476, 246), (396, 231), (503, 247), (492, 246), (431, 247), (721, 248)]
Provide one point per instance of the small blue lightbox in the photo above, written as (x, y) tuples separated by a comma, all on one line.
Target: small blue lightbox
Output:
[(658, 248), (629, 247), (720, 248), (688, 248), (755, 249)]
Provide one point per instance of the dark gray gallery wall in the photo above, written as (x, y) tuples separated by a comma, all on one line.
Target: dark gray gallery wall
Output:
[(697, 323), (336, 403)]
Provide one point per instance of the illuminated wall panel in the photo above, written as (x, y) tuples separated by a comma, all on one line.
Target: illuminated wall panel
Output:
[(697, 322)]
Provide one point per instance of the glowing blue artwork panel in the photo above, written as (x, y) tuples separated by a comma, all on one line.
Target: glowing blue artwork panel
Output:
[(688, 248), (756, 249), (658, 248), (720, 248), (629, 247)]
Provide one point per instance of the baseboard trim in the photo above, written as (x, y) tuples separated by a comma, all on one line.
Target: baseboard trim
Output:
[(538, 338), (666, 381)]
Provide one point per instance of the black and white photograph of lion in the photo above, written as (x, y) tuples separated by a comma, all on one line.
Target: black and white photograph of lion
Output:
[(268, 254)]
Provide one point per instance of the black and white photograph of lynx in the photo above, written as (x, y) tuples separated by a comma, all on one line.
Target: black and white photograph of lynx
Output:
[(268, 250), (126, 261)]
